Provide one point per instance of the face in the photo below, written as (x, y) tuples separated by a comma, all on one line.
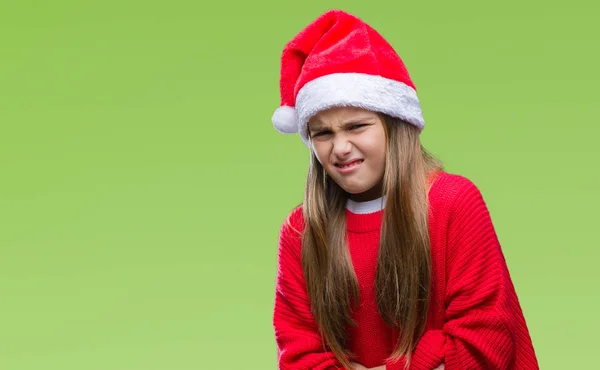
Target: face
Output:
[(350, 144)]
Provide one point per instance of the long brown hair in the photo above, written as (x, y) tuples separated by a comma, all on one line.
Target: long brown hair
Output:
[(404, 264)]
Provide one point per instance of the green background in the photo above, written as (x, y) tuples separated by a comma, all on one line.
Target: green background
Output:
[(143, 186)]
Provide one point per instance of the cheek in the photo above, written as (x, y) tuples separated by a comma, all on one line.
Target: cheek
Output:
[(376, 148), (319, 153), (382, 146), (379, 158)]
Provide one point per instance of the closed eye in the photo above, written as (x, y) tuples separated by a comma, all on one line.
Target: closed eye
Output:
[(321, 133), (327, 132)]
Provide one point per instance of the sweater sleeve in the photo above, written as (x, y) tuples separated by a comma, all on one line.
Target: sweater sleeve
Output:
[(484, 326), (299, 344)]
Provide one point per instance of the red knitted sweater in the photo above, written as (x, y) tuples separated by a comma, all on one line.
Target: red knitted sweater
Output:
[(475, 320)]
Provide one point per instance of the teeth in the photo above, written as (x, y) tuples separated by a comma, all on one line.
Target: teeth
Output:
[(350, 165)]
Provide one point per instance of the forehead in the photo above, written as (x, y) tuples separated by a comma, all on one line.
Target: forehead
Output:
[(340, 116)]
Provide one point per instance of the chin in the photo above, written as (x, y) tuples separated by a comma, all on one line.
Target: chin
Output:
[(355, 190)]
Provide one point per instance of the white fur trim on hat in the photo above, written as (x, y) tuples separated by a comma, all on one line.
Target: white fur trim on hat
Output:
[(285, 120), (361, 90)]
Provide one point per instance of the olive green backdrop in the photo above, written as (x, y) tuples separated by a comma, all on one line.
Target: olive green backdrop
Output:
[(142, 184)]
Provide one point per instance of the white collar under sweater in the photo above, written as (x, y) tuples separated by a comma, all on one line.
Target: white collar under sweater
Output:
[(370, 206)]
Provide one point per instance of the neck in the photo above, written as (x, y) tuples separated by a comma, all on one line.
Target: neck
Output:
[(371, 194)]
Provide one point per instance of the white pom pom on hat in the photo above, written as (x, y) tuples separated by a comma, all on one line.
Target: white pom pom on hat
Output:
[(285, 120)]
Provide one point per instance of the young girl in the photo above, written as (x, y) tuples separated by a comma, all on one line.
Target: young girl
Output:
[(390, 262)]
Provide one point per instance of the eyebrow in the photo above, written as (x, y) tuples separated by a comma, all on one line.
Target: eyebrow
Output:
[(320, 126)]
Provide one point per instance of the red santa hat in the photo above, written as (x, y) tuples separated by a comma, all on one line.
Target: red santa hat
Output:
[(339, 60)]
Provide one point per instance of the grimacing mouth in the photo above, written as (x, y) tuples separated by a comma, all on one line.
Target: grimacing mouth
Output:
[(342, 164)]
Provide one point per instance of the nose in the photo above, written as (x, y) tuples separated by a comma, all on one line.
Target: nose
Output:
[(341, 146)]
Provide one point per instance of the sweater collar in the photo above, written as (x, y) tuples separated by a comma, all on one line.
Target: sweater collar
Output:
[(364, 216), (365, 207)]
